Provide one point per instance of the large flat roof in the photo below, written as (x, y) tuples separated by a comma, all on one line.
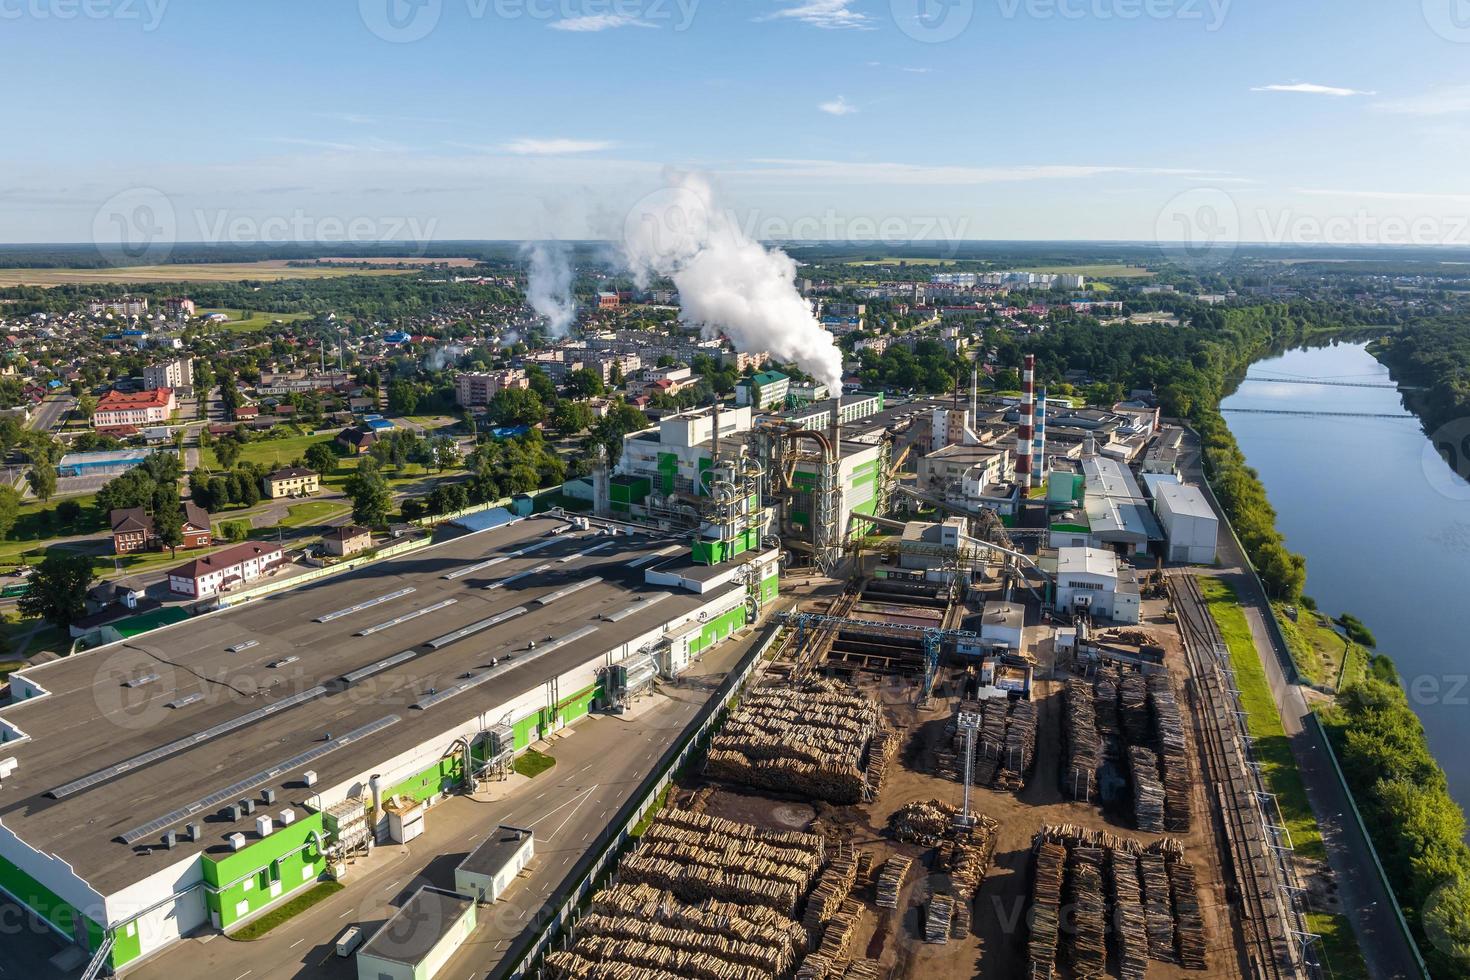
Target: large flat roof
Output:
[(418, 926), (92, 721)]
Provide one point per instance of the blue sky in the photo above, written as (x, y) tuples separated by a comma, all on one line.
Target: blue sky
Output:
[(986, 119)]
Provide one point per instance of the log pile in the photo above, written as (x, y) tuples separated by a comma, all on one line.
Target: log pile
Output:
[(890, 881), (880, 753), (1089, 950), (832, 890), (1157, 906), (1173, 752), (808, 740), (1191, 924), (815, 967), (863, 970), (1019, 747), (938, 917), (1084, 748), (925, 822), (1133, 705), (1144, 895), (967, 867), (837, 937), (1130, 928), (1148, 792), (1046, 909), (1105, 687), (701, 897), (743, 923)]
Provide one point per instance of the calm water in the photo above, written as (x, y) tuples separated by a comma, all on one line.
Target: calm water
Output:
[(1383, 521)]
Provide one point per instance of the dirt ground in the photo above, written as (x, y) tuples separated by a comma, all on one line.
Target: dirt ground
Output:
[(996, 945)]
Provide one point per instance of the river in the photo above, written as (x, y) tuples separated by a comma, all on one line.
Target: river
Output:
[(1383, 522)]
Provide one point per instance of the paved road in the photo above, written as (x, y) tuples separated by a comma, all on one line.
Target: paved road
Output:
[(598, 767), (1365, 900), (51, 412)]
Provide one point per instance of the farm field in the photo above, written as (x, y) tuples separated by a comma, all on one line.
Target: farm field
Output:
[(202, 272)]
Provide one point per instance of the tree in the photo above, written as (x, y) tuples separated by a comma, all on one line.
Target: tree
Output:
[(540, 384), (168, 523), (227, 451), (446, 453), (584, 383), (371, 498), (86, 406), (9, 509), (403, 397), (68, 512), (517, 406), (572, 417), (42, 478), (321, 457), (58, 592)]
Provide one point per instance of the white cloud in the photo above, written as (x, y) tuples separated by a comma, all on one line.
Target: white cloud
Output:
[(1383, 195), (1310, 88), (831, 15), (919, 71), (915, 174), (530, 146), (838, 107), (593, 23), (1448, 101)]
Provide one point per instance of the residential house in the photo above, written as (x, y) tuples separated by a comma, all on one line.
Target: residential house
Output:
[(291, 481)]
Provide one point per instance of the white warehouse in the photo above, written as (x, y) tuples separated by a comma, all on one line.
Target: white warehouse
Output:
[(1190, 524), (1099, 583)]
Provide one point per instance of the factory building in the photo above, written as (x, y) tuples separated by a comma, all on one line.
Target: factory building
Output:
[(1099, 583), (749, 481), (184, 806), (1189, 523)]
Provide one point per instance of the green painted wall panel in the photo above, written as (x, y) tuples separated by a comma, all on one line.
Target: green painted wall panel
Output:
[(42, 901)]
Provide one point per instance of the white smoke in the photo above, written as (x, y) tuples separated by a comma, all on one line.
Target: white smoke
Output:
[(549, 285), (728, 283)]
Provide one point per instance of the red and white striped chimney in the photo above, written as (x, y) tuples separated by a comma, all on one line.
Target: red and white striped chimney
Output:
[(1024, 433)]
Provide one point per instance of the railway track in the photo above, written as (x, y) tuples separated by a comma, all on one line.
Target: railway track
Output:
[(1271, 920)]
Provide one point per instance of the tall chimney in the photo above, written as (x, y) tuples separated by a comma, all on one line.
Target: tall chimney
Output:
[(836, 430), (1024, 430), (1038, 443)]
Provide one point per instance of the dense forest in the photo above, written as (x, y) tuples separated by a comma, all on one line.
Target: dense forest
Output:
[(1435, 357)]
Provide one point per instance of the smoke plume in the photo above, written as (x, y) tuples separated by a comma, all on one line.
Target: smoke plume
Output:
[(728, 283), (549, 285)]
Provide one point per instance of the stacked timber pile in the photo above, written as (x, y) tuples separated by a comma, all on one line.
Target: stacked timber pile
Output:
[(743, 923), (1190, 931), (880, 753), (1173, 752), (1148, 792), (924, 823), (938, 917), (1133, 704), (815, 967), (808, 740), (890, 881), (863, 970), (837, 937), (1089, 912), (1157, 906), (1046, 909), (701, 897), (968, 865), (1130, 929), (1019, 748), (1106, 689), (1084, 748), (833, 888), (1148, 893)]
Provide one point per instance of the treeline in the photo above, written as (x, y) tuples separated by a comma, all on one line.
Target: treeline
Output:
[(1416, 825), (1435, 356)]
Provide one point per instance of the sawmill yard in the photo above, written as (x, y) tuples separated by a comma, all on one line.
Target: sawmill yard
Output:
[(819, 837)]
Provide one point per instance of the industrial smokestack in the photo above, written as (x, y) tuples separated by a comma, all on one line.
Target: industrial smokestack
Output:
[(836, 433), (1024, 430), (1038, 443)]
